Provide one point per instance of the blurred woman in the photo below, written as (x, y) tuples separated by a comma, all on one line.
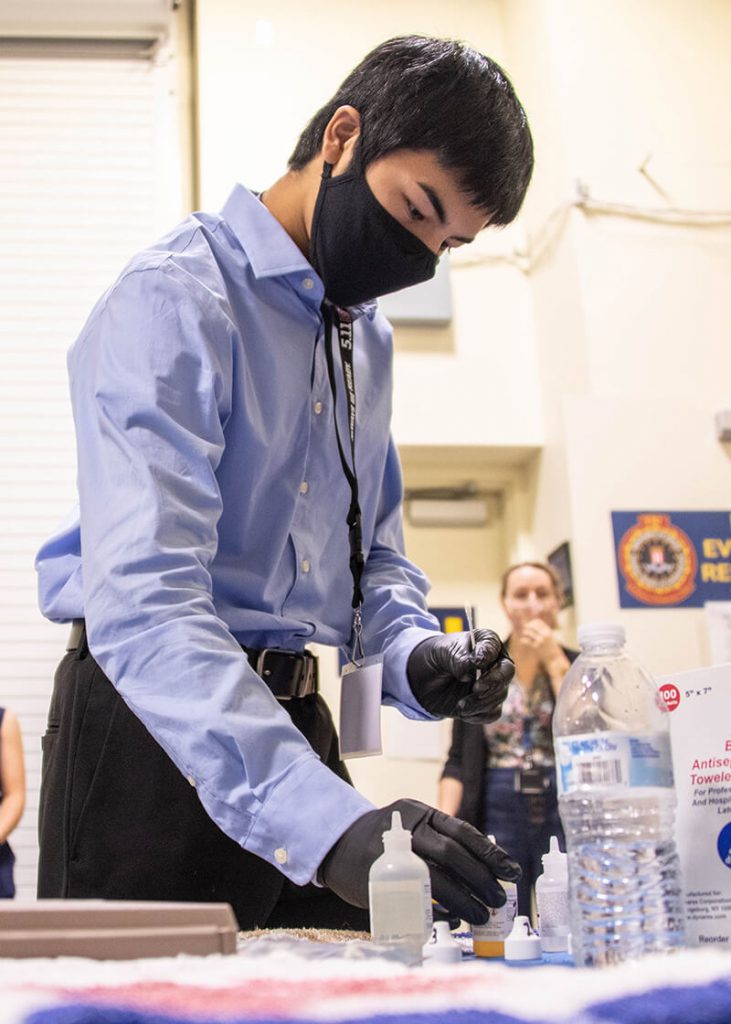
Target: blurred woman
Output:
[(501, 777), (12, 795)]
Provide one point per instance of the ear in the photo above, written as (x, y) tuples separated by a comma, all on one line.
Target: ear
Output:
[(340, 135)]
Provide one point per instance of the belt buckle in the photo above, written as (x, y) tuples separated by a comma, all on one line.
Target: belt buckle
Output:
[(261, 660), (305, 675), (302, 668)]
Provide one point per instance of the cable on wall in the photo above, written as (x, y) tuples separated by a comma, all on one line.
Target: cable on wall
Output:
[(541, 242)]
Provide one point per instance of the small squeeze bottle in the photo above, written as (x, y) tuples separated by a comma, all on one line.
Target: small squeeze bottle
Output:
[(399, 894), (552, 900), (489, 939)]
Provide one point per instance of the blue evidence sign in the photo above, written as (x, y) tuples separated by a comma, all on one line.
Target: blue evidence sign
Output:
[(672, 559)]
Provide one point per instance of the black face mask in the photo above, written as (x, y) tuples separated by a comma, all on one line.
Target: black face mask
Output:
[(359, 250)]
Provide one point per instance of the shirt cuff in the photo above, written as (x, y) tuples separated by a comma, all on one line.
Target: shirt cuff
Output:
[(396, 690), (303, 818)]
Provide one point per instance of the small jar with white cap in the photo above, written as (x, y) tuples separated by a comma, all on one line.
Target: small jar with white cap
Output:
[(522, 943), (441, 947)]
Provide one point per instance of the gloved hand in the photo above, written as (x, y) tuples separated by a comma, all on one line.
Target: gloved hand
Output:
[(450, 678), (464, 865)]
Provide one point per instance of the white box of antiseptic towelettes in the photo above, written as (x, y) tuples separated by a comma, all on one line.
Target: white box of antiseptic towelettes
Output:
[(700, 729)]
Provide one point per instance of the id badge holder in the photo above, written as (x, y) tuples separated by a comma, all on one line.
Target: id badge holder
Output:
[(530, 781), (360, 708)]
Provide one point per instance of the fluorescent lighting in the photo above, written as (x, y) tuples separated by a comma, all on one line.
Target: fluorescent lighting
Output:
[(447, 512)]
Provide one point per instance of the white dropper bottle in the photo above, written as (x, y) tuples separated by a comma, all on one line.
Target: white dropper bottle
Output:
[(552, 900), (399, 894)]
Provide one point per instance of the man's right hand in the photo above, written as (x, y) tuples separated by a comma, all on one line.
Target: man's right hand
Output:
[(461, 675), (464, 865)]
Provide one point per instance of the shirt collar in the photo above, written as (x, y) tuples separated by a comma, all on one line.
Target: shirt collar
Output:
[(270, 250)]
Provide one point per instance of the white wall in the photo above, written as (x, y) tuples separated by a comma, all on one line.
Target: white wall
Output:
[(632, 318), (264, 71), (622, 456)]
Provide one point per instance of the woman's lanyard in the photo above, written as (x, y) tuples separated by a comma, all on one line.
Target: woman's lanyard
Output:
[(340, 320)]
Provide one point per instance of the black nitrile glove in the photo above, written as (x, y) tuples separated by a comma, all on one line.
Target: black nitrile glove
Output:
[(450, 678), (464, 865)]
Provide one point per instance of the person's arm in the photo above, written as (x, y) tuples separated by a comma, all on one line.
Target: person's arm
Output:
[(151, 392), (450, 795), (12, 775)]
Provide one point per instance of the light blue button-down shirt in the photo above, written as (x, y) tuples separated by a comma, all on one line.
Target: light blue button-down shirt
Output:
[(212, 513)]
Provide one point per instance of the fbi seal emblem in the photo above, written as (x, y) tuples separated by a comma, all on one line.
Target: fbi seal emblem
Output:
[(658, 561)]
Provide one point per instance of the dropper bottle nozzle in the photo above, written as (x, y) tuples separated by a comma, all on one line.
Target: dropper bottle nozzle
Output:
[(397, 837)]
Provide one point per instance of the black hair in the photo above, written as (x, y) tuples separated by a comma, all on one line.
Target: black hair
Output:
[(416, 92)]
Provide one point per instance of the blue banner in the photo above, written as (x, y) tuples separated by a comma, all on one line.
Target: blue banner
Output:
[(672, 559)]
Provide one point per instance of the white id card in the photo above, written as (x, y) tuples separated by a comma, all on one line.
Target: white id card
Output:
[(360, 708)]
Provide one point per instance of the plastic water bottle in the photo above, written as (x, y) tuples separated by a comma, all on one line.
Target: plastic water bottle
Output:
[(399, 894), (617, 804)]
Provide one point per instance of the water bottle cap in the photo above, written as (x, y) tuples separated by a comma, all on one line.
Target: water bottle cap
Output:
[(602, 633)]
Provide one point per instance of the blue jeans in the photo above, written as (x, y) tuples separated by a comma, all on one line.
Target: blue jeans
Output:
[(522, 824)]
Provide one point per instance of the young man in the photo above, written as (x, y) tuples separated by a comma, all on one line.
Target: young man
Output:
[(240, 497)]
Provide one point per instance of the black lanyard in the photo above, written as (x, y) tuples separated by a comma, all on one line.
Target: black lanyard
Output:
[(340, 320)]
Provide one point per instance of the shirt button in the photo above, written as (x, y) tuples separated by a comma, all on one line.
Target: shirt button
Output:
[(305, 565), (191, 780), (280, 855), (308, 283), (304, 487), (318, 408)]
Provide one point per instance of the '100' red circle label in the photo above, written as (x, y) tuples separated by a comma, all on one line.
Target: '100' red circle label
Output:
[(671, 695)]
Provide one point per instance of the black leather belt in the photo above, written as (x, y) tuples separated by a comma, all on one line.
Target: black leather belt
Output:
[(288, 674)]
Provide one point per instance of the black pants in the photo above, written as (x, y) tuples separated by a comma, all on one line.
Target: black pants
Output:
[(117, 819)]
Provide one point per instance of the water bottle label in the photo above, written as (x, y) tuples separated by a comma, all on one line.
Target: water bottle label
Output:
[(613, 759)]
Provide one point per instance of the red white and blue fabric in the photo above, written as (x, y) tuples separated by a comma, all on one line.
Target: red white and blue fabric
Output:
[(277, 986)]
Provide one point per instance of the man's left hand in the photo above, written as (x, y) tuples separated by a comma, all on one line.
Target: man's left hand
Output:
[(461, 675)]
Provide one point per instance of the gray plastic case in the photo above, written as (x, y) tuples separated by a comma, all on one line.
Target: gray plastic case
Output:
[(115, 929)]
